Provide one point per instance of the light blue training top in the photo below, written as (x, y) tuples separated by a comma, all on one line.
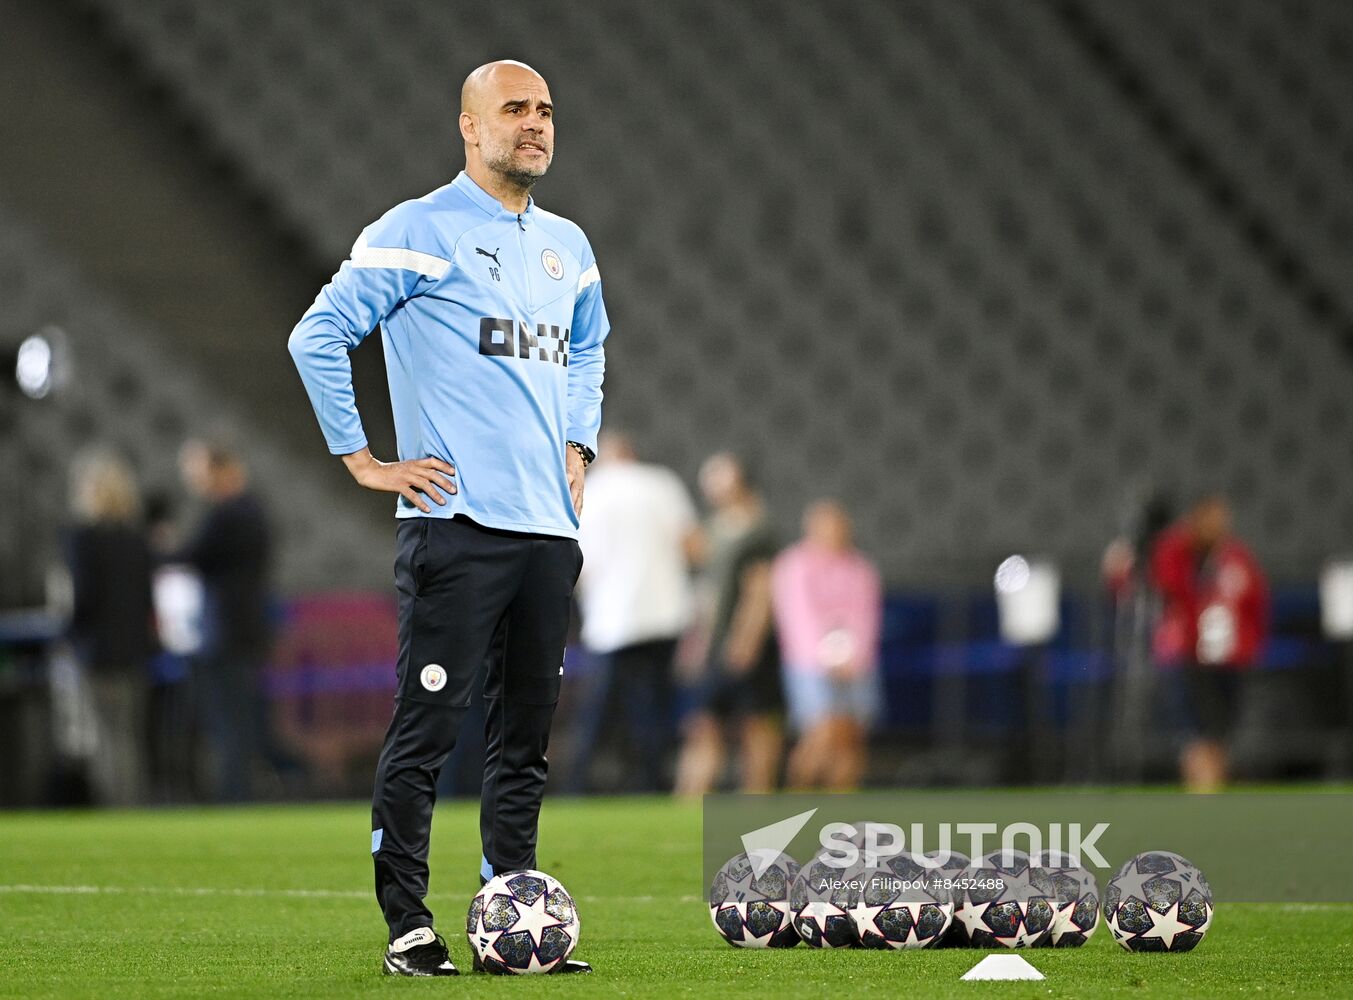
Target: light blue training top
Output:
[(493, 325)]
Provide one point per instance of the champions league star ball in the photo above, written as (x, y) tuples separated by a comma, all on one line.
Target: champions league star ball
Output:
[(901, 905), (953, 865), (1158, 901), (1004, 902), (522, 922), (820, 903), (751, 910), (1075, 898)]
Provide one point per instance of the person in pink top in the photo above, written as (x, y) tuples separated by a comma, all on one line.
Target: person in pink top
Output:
[(828, 602)]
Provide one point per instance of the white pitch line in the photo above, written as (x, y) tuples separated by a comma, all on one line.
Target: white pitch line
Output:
[(639, 899), (170, 890)]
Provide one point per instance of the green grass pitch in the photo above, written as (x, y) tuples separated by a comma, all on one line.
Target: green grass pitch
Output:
[(275, 902)]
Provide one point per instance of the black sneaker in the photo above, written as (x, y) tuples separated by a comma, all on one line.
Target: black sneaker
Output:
[(420, 952)]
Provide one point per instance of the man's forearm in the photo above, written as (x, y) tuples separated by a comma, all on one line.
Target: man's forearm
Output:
[(752, 617)]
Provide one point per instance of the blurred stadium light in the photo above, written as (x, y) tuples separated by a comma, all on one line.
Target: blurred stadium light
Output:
[(1028, 596), (1336, 600)]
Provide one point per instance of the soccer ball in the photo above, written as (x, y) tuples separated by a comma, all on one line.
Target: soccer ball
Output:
[(1158, 901), (522, 922), (750, 910), (820, 904), (1075, 899), (951, 869), (902, 905), (1007, 902), (938, 877)]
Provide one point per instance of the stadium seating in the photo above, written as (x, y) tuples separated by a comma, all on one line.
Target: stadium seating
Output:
[(1258, 109), (114, 367), (971, 279)]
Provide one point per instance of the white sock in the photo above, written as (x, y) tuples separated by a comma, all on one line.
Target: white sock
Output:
[(423, 935)]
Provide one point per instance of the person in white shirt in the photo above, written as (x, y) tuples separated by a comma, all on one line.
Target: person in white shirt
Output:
[(637, 532)]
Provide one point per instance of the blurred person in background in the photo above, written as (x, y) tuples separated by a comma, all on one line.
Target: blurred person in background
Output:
[(1213, 625), (731, 659), (231, 550), (112, 622), (177, 592), (828, 602), (1126, 572), (1125, 567), (637, 535)]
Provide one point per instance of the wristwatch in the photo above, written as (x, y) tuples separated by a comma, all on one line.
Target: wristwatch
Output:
[(584, 452)]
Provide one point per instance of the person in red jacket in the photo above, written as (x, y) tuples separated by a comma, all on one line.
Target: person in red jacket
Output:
[(1213, 625)]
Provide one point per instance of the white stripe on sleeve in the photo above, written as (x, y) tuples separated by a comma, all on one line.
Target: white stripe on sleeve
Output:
[(589, 277), (405, 260)]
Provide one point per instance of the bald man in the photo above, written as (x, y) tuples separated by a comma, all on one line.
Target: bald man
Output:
[(493, 324)]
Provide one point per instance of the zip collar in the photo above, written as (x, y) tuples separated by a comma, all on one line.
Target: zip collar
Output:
[(491, 205)]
